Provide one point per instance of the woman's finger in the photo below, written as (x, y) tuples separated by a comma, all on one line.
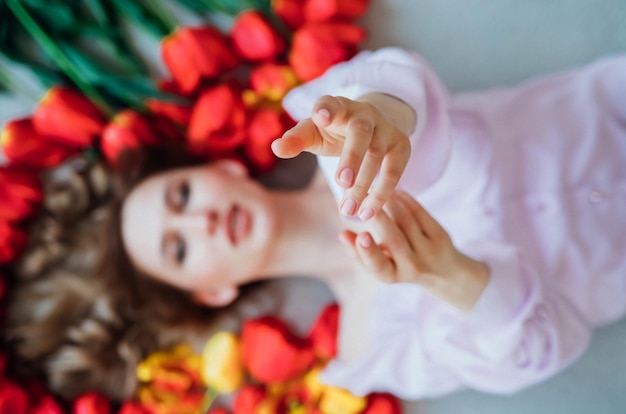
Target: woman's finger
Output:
[(390, 237), (354, 196), (431, 227), (303, 137), (358, 136), (374, 259), (393, 165), (399, 212)]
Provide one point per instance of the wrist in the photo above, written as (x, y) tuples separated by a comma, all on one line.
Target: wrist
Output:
[(401, 114)]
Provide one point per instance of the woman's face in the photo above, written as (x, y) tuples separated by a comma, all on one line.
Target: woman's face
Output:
[(201, 228)]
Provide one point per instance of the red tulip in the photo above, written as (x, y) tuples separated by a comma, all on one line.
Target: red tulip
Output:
[(128, 129), (218, 120), (91, 403), (272, 81), (254, 37), (291, 12), (20, 194), (248, 399), (317, 47), (327, 10), (192, 54), (382, 404), (22, 145), (218, 411), (272, 353), (323, 334), (131, 407), (12, 242), (13, 399), (180, 114), (68, 118), (265, 126), (47, 405)]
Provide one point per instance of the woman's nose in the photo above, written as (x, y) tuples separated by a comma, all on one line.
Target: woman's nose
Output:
[(205, 221)]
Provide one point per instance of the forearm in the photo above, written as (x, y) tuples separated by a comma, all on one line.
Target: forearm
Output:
[(396, 110), (463, 285)]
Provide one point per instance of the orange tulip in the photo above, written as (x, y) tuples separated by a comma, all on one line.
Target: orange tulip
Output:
[(195, 53), (22, 145), (20, 194), (218, 120), (272, 81), (272, 353), (291, 12), (222, 367), (323, 334), (91, 403), (254, 37), (317, 47), (382, 404), (127, 130), (265, 126), (68, 118), (327, 10)]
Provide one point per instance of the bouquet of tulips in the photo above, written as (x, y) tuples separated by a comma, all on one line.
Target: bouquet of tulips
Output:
[(217, 93)]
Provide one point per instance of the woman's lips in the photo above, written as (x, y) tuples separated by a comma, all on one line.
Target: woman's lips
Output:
[(239, 223)]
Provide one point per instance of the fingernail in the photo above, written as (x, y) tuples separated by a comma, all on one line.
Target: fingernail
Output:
[(366, 214), (348, 206), (346, 177), (324, 113), (365, 240)]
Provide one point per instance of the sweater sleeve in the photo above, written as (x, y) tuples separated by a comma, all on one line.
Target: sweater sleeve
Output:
[(404, 75), (518, 333)]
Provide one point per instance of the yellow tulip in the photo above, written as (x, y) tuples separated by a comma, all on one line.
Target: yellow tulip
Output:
[(339, 401), (222, 365)]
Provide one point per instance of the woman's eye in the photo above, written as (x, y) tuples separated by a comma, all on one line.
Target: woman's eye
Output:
[(180, 250), (182, 196)]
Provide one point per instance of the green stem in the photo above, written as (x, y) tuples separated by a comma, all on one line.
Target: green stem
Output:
[(48, 45), (208, 400), (164, 16)]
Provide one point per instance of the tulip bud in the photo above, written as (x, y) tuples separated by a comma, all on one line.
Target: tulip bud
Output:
[(179, 114), (327, 10), (378, 403), (20, 194), (272, 353), (22, 145), (68, 118), (12, 242), (218, 120), (248, 399), (254, 37), (272, 81), (323, 334), (317, 47), (222, 367), (339, 401), (265, 126), (47, 405), (91, 403), (193, 54), (13, 398), (291, 12), (127, 130)]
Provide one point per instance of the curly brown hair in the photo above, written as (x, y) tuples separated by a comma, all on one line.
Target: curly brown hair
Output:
[(79, 313)]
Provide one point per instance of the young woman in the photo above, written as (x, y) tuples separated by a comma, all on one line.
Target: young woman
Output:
[(498, 289)]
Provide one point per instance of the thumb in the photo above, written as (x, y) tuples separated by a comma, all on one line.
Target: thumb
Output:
[(303, 137)]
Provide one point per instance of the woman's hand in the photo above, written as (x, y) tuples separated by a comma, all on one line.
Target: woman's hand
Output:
[(406, 244), (369, 135)]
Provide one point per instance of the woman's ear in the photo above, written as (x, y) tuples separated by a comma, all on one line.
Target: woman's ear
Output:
[(232, 167), (216, 297)]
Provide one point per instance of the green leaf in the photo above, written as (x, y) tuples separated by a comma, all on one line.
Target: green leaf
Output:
[(136, 12), (56, 17), (137, 89)]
